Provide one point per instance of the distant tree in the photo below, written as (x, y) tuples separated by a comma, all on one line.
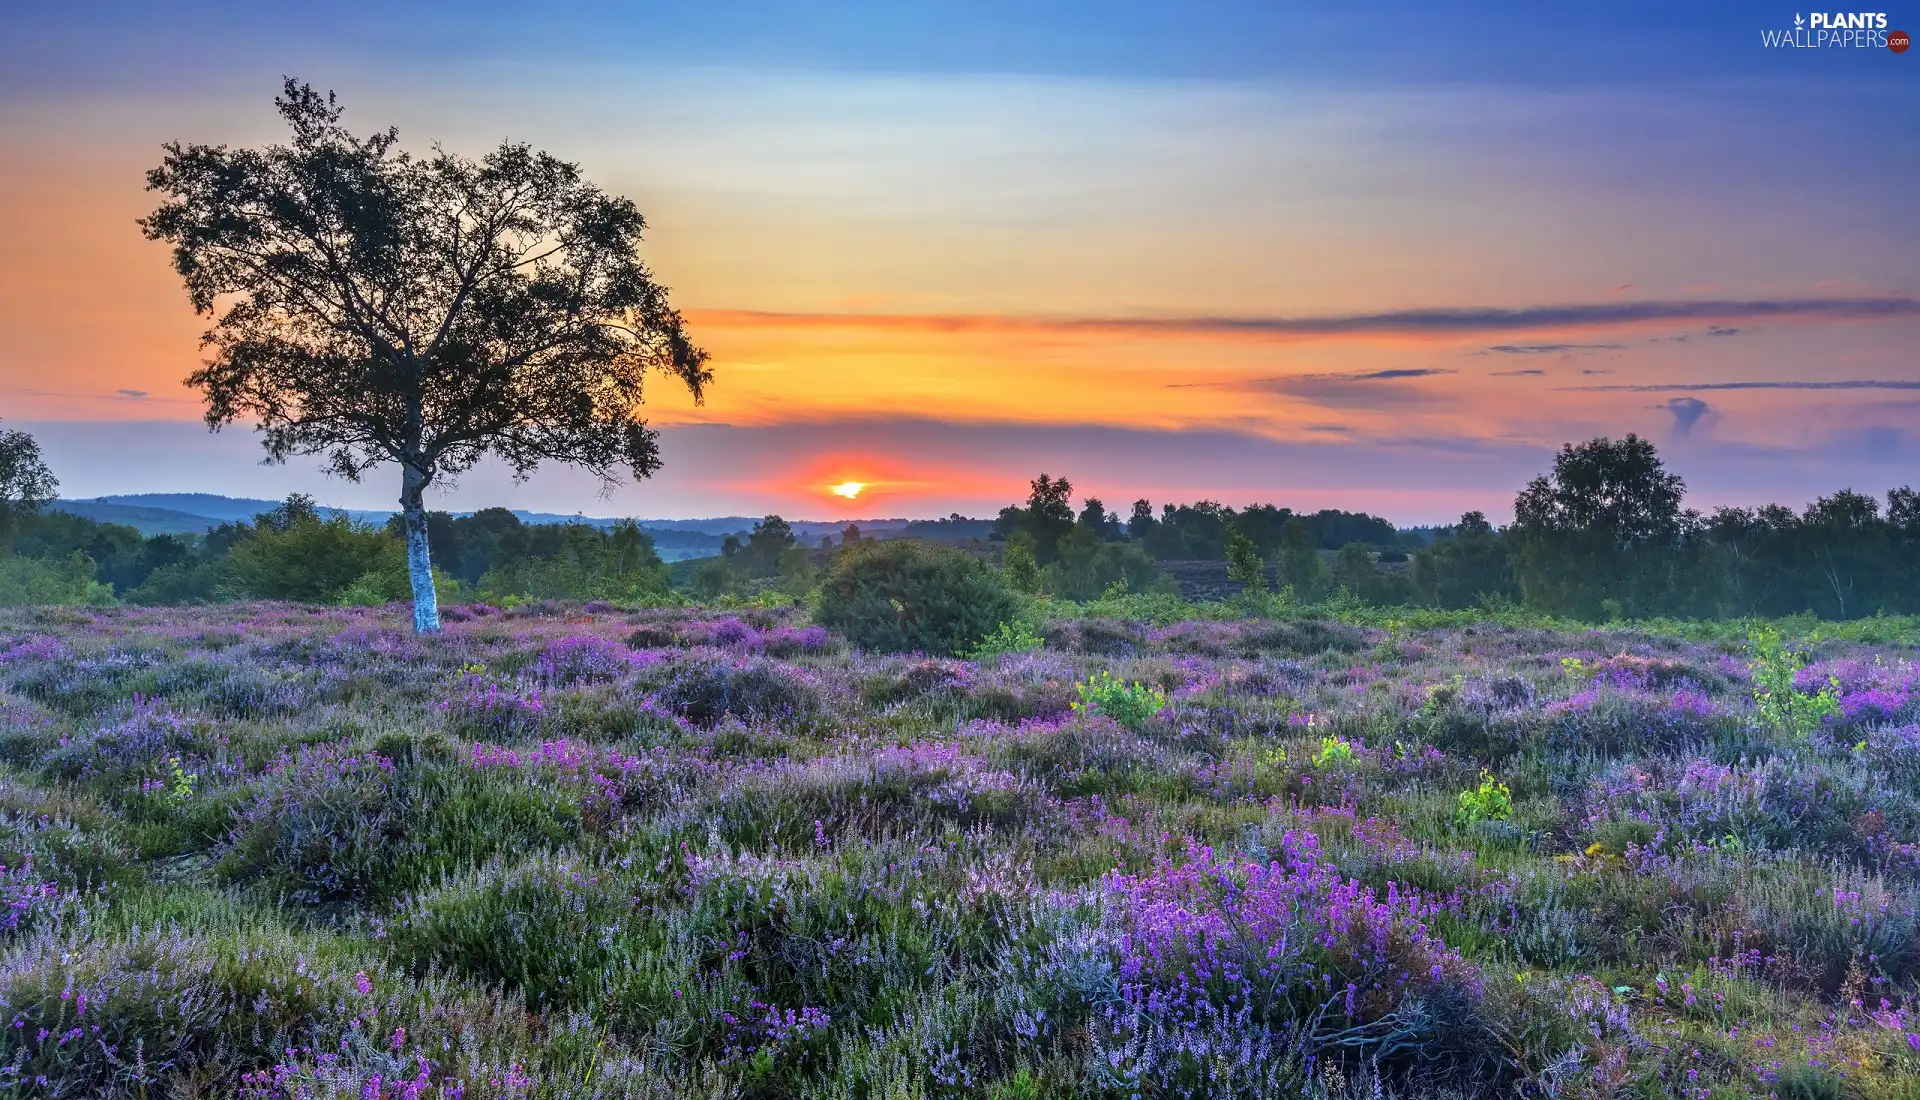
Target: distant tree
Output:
[(1192, 531), (770, 538), (1049, 515), (1094, 517), (1022, 568), (851, 535), (1141, 522), (730, 546), (1262, 524), (1468, 569), (1846, 543), (1600, 534), (26, 485), (1300, 564), (1244, 566), (376, 307), (1090, 565)]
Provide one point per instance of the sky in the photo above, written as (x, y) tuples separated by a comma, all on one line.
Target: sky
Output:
[(1384, 257)]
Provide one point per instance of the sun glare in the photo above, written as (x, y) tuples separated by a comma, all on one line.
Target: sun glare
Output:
[(847, 489)]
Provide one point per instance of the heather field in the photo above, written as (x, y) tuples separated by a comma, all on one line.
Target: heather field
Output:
[(568, 851)]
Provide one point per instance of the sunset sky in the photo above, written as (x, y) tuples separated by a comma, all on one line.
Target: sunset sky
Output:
[(1384, 257)]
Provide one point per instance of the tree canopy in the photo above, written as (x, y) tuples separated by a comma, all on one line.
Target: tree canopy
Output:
[(26, 484), (373, 306)]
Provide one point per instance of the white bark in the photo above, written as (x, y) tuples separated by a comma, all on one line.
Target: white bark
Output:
[(426, 603)]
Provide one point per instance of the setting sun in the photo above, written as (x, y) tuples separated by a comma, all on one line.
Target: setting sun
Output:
[(848, 489)]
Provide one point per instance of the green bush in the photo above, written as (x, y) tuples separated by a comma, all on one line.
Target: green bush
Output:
[(30, 582), (898, 596), (313, 560), (1490, 801), (1010, 637), (1784, 707), (1132, 705)]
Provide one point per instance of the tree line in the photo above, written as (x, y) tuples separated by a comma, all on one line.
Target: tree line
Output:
[(293, 552), (1604, 534)]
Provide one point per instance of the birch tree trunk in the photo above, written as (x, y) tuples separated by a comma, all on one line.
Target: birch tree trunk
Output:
[(426, 603)]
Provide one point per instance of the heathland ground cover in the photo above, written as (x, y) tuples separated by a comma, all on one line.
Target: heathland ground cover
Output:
[(274, 850)]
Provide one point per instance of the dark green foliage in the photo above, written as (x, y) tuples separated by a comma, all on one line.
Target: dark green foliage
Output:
[(1244, 566), (1299, 560), (295, 555), (25, 482), (1087, 566), (575, 561), (770, 538), (1469, 569), (1604, 525), (1046, 519), (493, 307), (902, 596), (1355, 573)]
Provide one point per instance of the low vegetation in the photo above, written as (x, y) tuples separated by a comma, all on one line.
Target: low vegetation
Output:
[(277, 850)]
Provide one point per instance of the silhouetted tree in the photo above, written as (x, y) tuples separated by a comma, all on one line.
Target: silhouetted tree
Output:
[(1047, 517), (426, 311), (770, 538), (1094, 517), (1600, 533), (1142, 521)]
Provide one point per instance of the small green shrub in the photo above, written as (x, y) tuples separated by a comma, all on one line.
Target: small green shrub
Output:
[(1783, 707), (1022, 568), (899, 596), (1132, 704), (1008, 637), (1490, 801), (1334, 751)]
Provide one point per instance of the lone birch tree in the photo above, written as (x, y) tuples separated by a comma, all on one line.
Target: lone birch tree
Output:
[(372, 306)]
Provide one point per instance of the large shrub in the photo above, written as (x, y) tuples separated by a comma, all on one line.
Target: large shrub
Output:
[(899, 596), (310, 559)]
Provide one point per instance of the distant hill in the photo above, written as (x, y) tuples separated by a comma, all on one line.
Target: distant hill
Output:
[(219, 509), (675, 539), (147, 520)]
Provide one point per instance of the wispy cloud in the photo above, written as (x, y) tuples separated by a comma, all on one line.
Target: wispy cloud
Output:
[(1550, 349), (1518, 373), (132, 395), (1385, 375), (1360, 390), (1839, 384), (1286, 383), (1410, 322)]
